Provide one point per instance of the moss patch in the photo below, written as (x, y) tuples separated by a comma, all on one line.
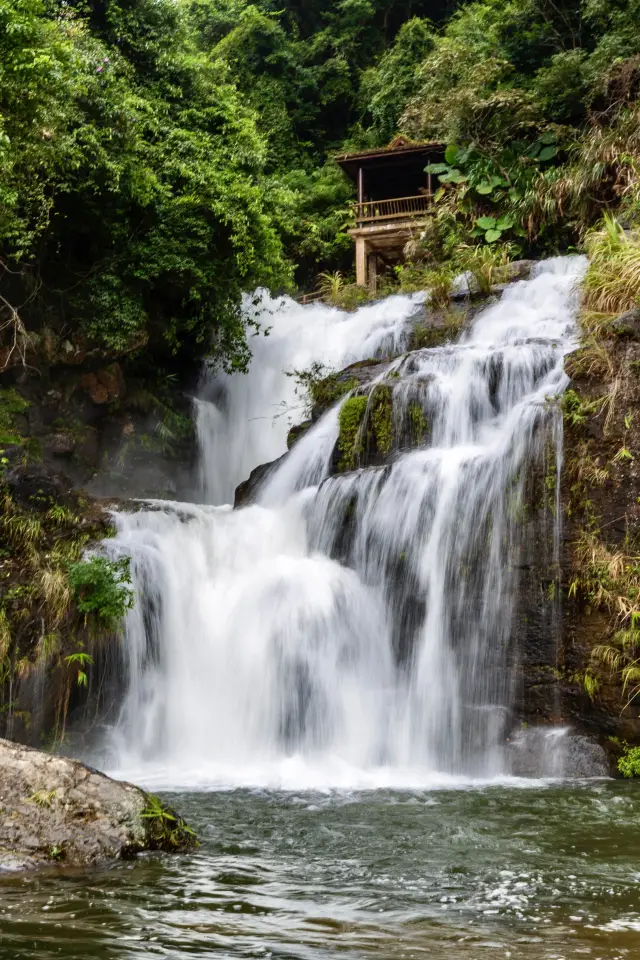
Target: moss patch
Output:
[(12, 405), (350, 442), (419, 423), (381, 419)]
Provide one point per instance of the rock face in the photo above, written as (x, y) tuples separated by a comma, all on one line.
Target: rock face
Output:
[(56, 810)]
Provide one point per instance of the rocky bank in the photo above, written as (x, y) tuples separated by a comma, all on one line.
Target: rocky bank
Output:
[(55, 810)]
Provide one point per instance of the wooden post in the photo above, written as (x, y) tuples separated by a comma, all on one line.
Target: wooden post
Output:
[(361, 261), (372, 261), (360, 185), (429, 190)]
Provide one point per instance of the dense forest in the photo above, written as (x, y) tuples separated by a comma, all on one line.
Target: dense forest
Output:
[(159, 158)]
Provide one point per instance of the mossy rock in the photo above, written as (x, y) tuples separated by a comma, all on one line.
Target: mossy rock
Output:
[(298, 431), (381, 419), (350, 438), (366, 429)]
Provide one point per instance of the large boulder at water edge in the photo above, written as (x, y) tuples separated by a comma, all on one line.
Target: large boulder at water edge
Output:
[(58, 811)]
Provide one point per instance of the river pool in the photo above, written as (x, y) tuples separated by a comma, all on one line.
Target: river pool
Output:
[(520, 871)]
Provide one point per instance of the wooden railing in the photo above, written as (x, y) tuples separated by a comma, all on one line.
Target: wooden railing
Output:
[(305, 298), (392, 209)]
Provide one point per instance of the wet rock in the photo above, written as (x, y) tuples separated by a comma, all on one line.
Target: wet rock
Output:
[(60, 444), (246, 492), (556, 752), (336, 385), (33, 487), (56, 810), (106, 385), (627, 325), (298, 431)]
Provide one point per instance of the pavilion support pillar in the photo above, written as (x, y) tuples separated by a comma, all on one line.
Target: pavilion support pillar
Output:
[(361, 261), (372, 270)]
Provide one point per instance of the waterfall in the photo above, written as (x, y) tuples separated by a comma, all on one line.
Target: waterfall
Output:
[(353, 628)]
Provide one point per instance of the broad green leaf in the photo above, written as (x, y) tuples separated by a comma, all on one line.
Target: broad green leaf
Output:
[(437, 168), (492, 235), (451, 154), (486, 223), (505, 222), (548, 137), (484, 188), (453, 176), (548, 153)]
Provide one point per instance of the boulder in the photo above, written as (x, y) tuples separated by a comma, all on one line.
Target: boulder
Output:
[(627, 325), (57, 810)]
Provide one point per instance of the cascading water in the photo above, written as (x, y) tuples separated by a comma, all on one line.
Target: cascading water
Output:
[(243, 421), (355, 628)]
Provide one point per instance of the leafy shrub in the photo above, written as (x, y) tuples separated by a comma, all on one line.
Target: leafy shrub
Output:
[(100, 589), (629, 762)]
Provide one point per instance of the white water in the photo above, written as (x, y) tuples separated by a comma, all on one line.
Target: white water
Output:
[(355, 632), (243, 421)]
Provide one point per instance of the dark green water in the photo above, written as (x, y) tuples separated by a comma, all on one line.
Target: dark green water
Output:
[(543, 872)]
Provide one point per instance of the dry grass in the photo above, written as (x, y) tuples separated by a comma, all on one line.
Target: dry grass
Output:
[(593, 359), (605, 166), (612, 283), (607, 578), (53, 586)]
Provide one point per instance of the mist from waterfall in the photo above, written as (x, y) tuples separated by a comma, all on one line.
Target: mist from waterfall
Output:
[(353, 629)]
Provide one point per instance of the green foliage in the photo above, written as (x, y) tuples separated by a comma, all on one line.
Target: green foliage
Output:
[(157, 159), (81, 660), (629, 762), (133, 176), (577, 409), (437, 279), (386, 88), (100, 589), (320, 388), (12, 404), (165, 829)]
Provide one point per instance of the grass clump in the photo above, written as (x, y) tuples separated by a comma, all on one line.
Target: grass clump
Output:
[(486, 264), (165, 829), (338, 291), (612, 283), (350, 437)]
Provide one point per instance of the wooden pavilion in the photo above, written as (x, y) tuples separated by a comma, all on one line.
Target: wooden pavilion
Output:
[(394, 194)]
